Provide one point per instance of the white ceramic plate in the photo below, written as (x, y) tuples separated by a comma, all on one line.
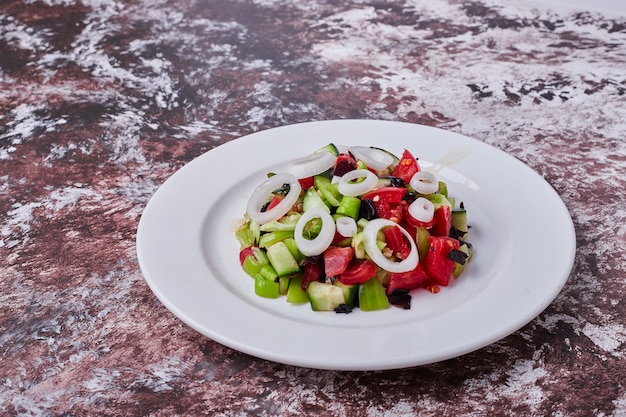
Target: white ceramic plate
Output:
[(522, 234)]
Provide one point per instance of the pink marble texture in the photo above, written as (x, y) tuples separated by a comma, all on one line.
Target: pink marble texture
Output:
[(101, 101)]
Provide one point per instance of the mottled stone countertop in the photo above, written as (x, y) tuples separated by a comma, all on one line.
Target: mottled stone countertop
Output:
[(102, 100)]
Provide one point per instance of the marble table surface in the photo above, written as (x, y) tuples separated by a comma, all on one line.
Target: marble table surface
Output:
[(102, 100)]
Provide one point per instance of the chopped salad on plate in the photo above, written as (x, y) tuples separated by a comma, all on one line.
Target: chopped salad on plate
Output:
[(352, 227)]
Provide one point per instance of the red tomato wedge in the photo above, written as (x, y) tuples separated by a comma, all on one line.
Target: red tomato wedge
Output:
[(306, 183), (274, 202), (407, 167), (385, 194), (358, 271), (387, 202), (336, 260), (410, 280), (396, 241), (437, 265), (442, 221)]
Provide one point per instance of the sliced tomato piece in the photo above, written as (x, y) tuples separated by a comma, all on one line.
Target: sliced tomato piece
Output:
[(437, 264), (274, 202), (409, 280), (306, 183), (358, 271), (407, 167), (336, 260), (386, 194), (387, 202), (396, 241), (443, 221)]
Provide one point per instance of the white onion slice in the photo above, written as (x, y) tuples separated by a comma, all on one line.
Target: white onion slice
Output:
[(371, 248), (373, 158), (424, 182), (353, 189), (314, 164), (346, 226), (261, 193), (323, 240), (422, 209)]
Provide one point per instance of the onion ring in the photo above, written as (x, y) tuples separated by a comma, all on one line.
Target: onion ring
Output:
[(371, 248), (424, 182), (373, 158), (313, 247), (422, 210), (260, 195), (353, 189), (314, 164), (346, 226)]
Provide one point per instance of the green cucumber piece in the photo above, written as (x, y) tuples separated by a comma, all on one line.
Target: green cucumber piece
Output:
[(372, 295), (329, 148), (312, 199), (459, 268), (324, 297), (350, 293), (459, 222), (281, 259), (295, 293), (423, 242), (283, 284), (293, 248)]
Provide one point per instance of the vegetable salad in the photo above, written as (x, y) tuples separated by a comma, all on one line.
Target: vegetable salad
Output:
[(352, 227)]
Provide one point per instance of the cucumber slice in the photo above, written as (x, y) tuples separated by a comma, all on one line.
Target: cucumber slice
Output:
[(293, 248), (283, 284), (459, 222), (350, 293), (312, 200), (423, 242), (329, 148), (459, 268), (324, 297), (281, 259)]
